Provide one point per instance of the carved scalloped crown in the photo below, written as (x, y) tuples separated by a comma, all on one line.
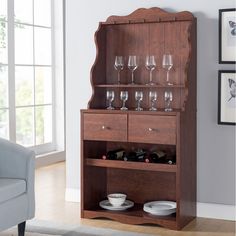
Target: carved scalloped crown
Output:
[(152, 14)]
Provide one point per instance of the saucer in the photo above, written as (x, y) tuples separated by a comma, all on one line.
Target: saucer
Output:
[(107, 205)]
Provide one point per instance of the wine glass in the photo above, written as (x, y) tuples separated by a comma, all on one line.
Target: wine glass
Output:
[(167, 63), (138, 98), (110, 97), (124, 98), (168, 100), (119, 66), (152, 98), (132, 65), (150, 65)]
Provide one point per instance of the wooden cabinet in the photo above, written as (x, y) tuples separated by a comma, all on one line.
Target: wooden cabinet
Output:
[(143, 32)]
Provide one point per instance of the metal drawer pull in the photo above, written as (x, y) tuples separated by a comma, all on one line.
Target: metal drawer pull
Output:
[(105, 127), (152, 130)]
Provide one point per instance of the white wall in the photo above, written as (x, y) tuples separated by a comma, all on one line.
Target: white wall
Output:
[(216, 160)]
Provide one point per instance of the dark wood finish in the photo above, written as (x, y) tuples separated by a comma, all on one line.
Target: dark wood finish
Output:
[(141, 186), (187, 139), (118, 111), (131, 165), (134, 216), (21, 229), (152, 129), (168, 33), (153, 14), (145, 31)]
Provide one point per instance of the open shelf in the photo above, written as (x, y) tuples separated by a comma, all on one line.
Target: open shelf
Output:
[(131, 165), (160, 112), (134, 215)]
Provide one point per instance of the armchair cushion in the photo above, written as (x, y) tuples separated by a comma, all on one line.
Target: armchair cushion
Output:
[(11, 188)]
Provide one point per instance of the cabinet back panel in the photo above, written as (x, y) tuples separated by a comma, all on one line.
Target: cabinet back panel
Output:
[(147, 39), (97, 151), (94, 186), (158, 186), (141, 40), (170, 149)]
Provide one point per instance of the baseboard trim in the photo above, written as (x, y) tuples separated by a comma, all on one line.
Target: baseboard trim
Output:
[(72, 195), (49, 158), (216, 211)]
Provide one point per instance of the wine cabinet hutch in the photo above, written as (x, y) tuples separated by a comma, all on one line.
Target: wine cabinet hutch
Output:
[(144, 32)]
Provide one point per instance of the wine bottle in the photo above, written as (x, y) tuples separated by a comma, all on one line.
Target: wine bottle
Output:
[(138, 155), (171, 160), (156, 157), (116, 154)]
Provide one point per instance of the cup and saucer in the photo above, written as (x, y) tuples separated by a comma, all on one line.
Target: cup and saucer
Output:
[(116, 202)]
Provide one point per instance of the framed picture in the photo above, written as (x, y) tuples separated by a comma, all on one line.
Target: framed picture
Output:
[(227, 36), (227, 97)]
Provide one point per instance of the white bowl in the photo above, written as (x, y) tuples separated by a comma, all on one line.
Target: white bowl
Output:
[(117, 199)]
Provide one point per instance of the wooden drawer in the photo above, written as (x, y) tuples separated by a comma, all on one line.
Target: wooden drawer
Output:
[(152, 129), (106, 127)]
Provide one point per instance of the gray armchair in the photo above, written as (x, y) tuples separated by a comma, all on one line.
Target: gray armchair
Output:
[(17, 200)]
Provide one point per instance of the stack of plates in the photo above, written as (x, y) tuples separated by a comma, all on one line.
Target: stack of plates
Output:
[(160, 208), (105, 204)]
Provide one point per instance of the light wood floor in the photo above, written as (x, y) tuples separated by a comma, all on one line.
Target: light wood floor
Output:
[(51, 205)]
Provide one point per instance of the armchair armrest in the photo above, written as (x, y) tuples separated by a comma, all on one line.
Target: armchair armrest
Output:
[(16, 161)]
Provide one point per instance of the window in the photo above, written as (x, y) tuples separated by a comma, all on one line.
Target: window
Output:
[(28, 78)]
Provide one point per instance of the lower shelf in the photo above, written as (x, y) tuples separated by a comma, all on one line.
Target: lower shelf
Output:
[(132, 216)]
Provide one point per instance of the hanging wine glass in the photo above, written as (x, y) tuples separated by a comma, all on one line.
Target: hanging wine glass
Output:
[(168, 99), (132, 65), (150, 65), (138, 98), (119, 66), (167, 64), (153, 99), (110, 95), (124, 97)]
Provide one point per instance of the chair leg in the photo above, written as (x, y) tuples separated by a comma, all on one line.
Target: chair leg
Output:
[(21, 229)]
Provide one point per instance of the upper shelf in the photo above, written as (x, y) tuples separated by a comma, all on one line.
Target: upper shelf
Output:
[(138, 86), (145, 32)]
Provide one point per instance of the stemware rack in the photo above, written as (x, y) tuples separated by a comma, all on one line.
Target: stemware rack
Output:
[(144, 32)]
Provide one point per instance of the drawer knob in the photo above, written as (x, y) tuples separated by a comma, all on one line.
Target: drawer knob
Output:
[(152, 130), (105, 127)]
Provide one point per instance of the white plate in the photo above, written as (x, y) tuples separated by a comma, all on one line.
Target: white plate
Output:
[(161, 208), (107, 205)]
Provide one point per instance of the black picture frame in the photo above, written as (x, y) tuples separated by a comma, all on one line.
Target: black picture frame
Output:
[(227, 36), (227, 97)]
